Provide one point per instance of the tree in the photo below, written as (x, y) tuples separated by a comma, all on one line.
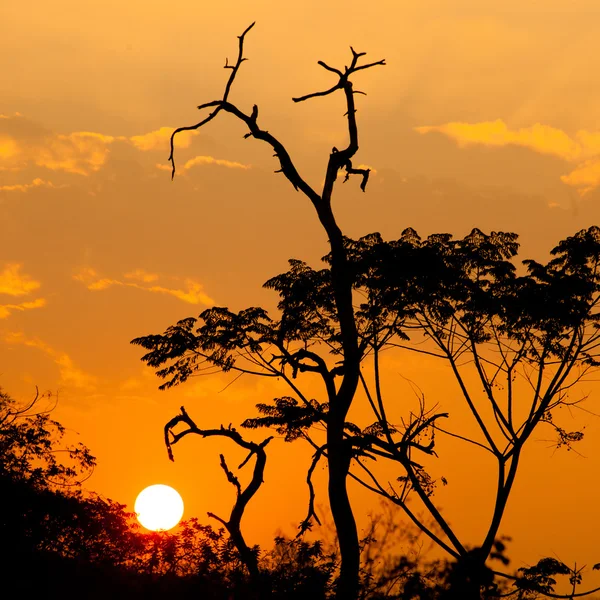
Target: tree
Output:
[(68, 537), (340, 397), (459, 300), (30, 447), (75, 539), (527, 338)]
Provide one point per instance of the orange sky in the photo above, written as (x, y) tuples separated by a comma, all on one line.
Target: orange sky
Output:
[(486, 117)]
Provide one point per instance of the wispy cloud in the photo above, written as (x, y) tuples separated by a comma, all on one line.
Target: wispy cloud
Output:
[(15, 283), (585, 177), (25, 187), (159, 139), (200, 161), (70, 373), (372, 169), (583, 148), (192, 292), (7, 309), (141, 275), (209, 160), (24, 143)]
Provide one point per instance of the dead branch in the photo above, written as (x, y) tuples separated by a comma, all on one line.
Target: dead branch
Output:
[(343, 158), (306, 523), (212, 115), (243, 496)]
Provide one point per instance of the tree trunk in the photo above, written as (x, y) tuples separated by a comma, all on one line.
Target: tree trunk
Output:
[(343, 517), (339, 455)]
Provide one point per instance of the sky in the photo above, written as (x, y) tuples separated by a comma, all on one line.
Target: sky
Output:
[(486, 115)]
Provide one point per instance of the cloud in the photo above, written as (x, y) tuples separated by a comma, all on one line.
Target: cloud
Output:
[(24, 143), (13, 283), (583, 148), (585, 177), (159, 139), (70, 374), (193, 292), (372, 169), (541, 138), (202, 161), (81, 152), (25, 187), (141, 275), (8, 147), (209, 160), (6, 309)]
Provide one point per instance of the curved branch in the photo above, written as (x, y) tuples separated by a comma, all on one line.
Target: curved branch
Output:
[(402, 504), (306, 523), (233, 525), (234, 70)]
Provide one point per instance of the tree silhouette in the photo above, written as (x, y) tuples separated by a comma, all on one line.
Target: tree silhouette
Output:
[(528, 338), (340, 397), (30, 445), (55, 537)]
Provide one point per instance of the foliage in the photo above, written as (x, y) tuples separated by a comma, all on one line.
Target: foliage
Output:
[(299, 569), (74, 539), (30, 445), (529, 337), (540, 577)]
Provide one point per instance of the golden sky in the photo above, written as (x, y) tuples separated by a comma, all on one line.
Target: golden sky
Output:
[(487, 115)]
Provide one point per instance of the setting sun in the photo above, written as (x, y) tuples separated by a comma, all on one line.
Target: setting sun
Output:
[(372, 230), (159, 507)]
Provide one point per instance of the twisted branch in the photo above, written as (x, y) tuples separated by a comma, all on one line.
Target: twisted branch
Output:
[(243, 496)]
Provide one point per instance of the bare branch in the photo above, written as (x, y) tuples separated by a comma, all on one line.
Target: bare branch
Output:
[(230, 476), (317, 94), (233, 525), (306, 523), (326, 66), (234, 70)]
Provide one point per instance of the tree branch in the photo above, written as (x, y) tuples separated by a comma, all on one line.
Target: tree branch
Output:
[(306, 523), (234, 71), (243, 496)]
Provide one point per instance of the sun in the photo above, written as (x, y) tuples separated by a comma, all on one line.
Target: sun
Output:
[(159, 507)]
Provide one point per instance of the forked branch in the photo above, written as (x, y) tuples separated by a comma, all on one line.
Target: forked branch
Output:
[(339, 159), (234, 69), (343, 75), (243, 496)]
